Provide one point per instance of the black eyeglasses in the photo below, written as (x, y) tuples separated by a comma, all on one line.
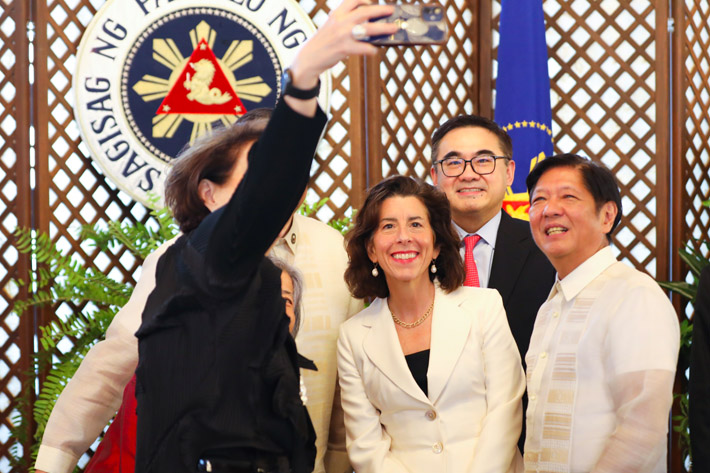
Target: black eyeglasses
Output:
[(481, 164)]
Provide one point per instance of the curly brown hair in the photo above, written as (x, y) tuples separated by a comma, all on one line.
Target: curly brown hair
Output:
[(212, 157), (450, 269)]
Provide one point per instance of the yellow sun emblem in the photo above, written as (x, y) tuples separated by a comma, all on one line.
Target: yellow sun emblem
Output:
[(196, 85)]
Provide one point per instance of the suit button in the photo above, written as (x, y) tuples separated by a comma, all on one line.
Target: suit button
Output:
[(437, 447), (543, 355), (431, 415)]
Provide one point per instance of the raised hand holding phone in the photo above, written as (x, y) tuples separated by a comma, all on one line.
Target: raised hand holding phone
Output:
[(334, 41), (419, 23)]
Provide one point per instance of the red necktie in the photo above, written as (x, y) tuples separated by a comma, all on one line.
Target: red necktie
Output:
[(470, 264)]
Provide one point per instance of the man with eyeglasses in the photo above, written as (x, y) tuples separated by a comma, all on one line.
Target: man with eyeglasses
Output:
[(472, 163)]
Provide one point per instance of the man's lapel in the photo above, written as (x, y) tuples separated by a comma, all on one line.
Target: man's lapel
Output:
[(509, 256)]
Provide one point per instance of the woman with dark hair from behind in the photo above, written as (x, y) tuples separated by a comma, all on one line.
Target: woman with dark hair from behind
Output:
[(117, 450), (217, 378), (430, 375), (105, 379)]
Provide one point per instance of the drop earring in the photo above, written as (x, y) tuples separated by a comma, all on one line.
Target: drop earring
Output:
[(433, 266), (375, 272)]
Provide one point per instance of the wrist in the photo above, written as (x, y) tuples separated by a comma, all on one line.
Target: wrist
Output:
[(302, 77), (299, 87)]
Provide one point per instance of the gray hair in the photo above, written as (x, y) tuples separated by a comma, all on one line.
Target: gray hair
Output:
[(297, 279)]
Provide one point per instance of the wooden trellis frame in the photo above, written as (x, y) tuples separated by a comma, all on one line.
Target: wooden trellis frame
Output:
[(384, 110)]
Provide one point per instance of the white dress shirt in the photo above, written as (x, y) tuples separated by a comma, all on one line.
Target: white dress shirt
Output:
[(483, 251), (600, 371)]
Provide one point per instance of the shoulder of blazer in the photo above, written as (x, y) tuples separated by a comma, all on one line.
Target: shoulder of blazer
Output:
[(472, 297)]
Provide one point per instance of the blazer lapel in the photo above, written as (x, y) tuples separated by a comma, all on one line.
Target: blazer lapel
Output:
[(509, 257), (381, 345), (450, 329)]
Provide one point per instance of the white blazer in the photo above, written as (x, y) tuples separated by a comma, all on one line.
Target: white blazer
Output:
[(472, 418)]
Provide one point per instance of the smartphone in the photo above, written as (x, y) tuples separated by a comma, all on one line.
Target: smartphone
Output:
[(419, 23)]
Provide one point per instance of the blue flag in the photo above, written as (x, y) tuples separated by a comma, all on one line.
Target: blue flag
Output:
[(523, 93)]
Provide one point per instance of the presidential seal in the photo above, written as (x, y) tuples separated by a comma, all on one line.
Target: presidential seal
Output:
[(153, 75)]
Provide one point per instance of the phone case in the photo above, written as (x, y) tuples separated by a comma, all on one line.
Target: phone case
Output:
[(420, 23)]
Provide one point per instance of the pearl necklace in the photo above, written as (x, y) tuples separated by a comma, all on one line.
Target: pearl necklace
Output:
[(416, 323)]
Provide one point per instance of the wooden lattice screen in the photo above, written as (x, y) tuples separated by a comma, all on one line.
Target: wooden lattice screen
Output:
[(335, 173), (68, 189), (422, 87), (691, 140), (610, 76), (691, 133), (610, 101), (15, 338)]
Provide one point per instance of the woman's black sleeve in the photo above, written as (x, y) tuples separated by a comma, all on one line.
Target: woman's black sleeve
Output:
[(279, 169)]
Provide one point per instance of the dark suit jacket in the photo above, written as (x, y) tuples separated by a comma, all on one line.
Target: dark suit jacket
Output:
[(522, 275), (699, 387)]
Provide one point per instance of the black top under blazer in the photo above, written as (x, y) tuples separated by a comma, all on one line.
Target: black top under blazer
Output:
[(217, 372)]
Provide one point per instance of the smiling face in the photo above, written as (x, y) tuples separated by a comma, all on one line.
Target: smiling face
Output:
[(474, 198), (564, 219), (403, 243)]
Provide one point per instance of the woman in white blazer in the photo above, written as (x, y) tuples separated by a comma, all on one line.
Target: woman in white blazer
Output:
[(430, 375)]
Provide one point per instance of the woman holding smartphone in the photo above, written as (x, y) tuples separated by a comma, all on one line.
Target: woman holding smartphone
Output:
[(217, 378)]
